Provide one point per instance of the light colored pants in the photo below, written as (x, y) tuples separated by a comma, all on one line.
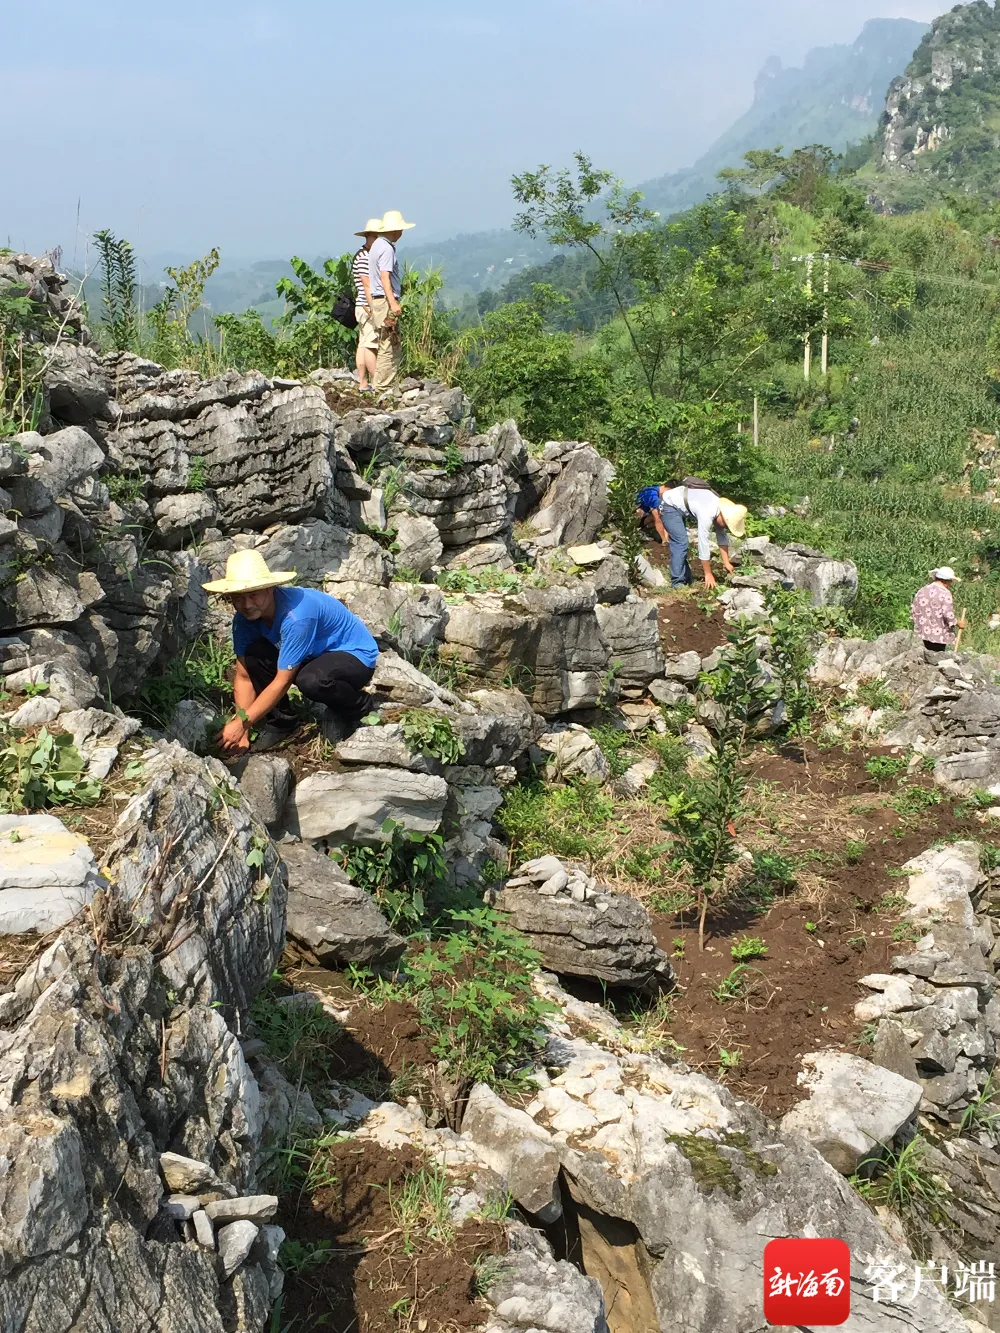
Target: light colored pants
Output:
[(367, 332), (389, 346)]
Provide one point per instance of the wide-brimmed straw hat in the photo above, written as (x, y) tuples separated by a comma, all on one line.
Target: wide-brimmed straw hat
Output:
[(372, 227), (735, 516), (393, 221), (946, 574), (247, 571)]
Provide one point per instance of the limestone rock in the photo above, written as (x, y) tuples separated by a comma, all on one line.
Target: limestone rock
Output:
[(189, 724), (266, 781), (537, 1293), (633, 638), (575, 754), (853, 1107), (583, 928), (353, 806), (407, 615), (517, 1149), (330, 915), (47, 874), (576, 503), (66, 458), (419, 544), (235, 1242), (322, 553)]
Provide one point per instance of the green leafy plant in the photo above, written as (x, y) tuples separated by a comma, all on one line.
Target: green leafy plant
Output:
[(883, 766), (454, 460), (812, 927), (406, 873), (432, 734), (119, 290), (736, 984), (901, 1181), (793, 625), (748, 947), (197, 478), (572, 820), (729, 1059), (702, 817), (43, 770), (854, 851), (913, 800), (475, 995), (875, 693), (486, 579)]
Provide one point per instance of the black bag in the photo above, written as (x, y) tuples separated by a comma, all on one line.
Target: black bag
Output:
[(343, 311), (695, 484)]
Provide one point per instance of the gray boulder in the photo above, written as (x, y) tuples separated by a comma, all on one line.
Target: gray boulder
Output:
[(537, 1293), (419, 543), (410, 616), (575, 505), (321, 552), (520, 1151), (631, 632), (66, 458), (266, 781), (128, 1054), (352, 806), (332, 917), (583, 928), (854, 1107)]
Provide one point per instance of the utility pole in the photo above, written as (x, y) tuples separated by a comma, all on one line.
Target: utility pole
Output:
[(756, 423), (806, 340), (825, 360)]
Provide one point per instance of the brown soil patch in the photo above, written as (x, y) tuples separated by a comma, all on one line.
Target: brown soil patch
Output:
[(821, 810), (362, 1266), (386, 1043), (685, 627)]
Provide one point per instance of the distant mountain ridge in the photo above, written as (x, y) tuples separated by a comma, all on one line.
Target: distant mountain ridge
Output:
[(835, 98)]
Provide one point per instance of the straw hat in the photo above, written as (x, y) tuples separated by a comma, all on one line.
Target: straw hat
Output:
[(393, 221), (247, 571), (735, 516), (372, 227), (946, 574)]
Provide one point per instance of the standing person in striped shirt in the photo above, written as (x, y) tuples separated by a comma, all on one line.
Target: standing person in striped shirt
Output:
[(367, 352)]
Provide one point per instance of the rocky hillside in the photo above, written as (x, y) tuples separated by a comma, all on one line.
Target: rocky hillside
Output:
[(940, 115), (407, 1029), (834, 98)]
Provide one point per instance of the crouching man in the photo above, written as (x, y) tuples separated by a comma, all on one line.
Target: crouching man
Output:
[(285, 635)]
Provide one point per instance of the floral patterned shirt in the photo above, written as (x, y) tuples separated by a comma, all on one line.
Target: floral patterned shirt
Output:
[(934, 614)]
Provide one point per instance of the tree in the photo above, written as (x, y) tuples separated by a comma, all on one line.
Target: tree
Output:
[(119, 288), (763, 166), (562, 209)]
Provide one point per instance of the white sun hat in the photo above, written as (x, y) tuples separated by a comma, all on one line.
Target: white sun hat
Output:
[(946, 574), (735, 516), (373, 227), (393, 221), (247, 571)]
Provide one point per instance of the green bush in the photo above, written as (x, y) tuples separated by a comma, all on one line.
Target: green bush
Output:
[(43, 770), (476, 999), (406, 873), (432, 734), (572, 820)]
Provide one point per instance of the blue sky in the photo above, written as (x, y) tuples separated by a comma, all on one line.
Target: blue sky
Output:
[(270, 128)]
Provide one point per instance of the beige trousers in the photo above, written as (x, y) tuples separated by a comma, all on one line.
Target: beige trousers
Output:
[(389, 346)]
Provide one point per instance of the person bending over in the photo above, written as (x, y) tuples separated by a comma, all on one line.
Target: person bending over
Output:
[(675, 505), (284, 635)]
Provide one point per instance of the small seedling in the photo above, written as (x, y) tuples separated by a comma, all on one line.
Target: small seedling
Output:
[(749, 946), (729, 1059), (812, 927), (906, 930), (854, 850), (734, 986), (881, 767)]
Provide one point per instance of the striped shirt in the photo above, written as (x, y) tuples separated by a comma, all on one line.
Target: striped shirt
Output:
[(359, 270)]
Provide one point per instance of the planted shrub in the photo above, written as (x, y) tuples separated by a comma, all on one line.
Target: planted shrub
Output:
[(406, 874), (432, 734)]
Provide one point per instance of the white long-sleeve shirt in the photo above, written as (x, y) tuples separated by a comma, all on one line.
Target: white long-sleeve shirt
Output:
[(703, 506)]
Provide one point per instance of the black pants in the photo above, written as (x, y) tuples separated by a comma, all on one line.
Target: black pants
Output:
[(334, 679), (935, 647)]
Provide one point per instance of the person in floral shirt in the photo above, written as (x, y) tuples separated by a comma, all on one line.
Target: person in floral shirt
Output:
[(933, 613)]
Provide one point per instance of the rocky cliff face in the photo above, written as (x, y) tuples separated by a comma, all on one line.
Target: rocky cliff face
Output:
[(939, 115)]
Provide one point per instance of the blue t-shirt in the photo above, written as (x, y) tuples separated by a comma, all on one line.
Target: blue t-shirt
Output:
[(306, 623)]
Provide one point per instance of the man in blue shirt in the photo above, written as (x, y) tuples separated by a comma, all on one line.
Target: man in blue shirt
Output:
[(383, 272), (283, 635)]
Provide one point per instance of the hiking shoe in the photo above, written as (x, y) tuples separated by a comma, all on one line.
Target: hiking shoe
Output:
[(271, 737)]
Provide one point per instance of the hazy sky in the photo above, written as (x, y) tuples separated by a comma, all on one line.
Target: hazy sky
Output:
[(273, 128)]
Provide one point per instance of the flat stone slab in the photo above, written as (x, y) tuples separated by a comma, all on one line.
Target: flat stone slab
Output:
[(854, 1107), (44, 909), (39, 851)]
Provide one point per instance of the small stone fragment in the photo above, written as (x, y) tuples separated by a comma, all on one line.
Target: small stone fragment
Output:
[(249, 1207), (204, 1232), (235, 1243)]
